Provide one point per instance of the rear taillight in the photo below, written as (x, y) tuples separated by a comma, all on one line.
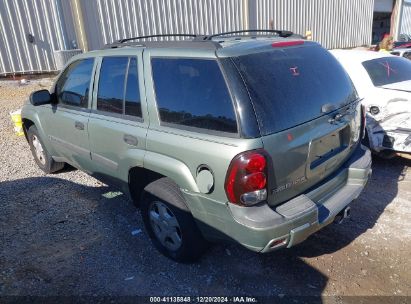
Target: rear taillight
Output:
[(363, 121), (246, 179)]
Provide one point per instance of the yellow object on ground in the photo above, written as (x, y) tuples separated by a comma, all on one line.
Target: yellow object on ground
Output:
[(18, 124)]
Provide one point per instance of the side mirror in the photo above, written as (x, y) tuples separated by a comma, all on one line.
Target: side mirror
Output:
[(39, 98)]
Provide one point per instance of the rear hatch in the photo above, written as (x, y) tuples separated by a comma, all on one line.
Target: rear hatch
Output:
[(308, 113)]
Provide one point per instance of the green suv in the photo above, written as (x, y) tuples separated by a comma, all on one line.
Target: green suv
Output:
[(252, 138)]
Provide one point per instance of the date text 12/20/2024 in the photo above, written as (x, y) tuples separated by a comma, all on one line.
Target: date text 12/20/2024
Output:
[(240, 299)]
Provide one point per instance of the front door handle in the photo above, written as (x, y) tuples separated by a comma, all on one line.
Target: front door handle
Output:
[(79, 125), (130, 139)]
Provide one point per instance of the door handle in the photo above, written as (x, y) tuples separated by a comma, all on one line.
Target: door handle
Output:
[(79, 125), (130, 140)]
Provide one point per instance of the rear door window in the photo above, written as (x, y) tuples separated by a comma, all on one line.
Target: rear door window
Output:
[(73, 86), (289, 87), (387, 70), (118, 89), (193, 93), (111, 84)]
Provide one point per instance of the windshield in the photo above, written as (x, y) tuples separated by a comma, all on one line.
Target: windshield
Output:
[(290, 86), (388, 70)]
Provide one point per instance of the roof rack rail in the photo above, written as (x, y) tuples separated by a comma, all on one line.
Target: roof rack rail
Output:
[(281, 33), (198, 41), (198, 37)]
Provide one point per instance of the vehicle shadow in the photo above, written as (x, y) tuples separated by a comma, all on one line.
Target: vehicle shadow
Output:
[(65, 238)]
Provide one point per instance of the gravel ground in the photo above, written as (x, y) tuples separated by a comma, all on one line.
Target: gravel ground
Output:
[(69, 234)]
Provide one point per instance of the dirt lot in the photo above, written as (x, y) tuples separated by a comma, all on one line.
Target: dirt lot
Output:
[(69, 234)]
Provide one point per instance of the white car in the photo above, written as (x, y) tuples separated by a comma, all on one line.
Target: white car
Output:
[(384, 83), (406, 53)]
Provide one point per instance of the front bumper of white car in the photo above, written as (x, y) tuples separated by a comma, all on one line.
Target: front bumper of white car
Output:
[(392, 132)]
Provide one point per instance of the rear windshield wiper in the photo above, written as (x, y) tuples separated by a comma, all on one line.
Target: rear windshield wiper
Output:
[(330, 107)]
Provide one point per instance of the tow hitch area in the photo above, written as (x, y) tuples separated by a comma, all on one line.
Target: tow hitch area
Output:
[(342, 215)]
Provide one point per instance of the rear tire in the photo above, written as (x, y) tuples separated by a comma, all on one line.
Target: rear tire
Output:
[(41, 156), (169, 222)]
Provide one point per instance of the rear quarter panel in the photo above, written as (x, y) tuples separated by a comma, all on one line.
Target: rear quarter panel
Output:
[(178, 153)]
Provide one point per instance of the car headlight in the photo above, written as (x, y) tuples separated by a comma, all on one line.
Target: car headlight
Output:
[(374, 110)]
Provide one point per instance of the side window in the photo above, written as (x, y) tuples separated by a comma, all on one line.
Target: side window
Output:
[(407, 55), (193, 93), (73, 86), (111, 84), (118, 89), (132, 97)]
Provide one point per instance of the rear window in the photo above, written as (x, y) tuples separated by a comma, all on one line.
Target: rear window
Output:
[(193, 93), (388, 70), (290, 86)]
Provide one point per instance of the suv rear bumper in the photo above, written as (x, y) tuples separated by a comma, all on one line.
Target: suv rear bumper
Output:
[(262, 228)]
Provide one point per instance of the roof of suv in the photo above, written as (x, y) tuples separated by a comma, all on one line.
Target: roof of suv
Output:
[(225, 48), (226, 44)]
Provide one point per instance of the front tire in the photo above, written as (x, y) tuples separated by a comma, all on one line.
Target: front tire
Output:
[(41, 156), (169, 223)]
